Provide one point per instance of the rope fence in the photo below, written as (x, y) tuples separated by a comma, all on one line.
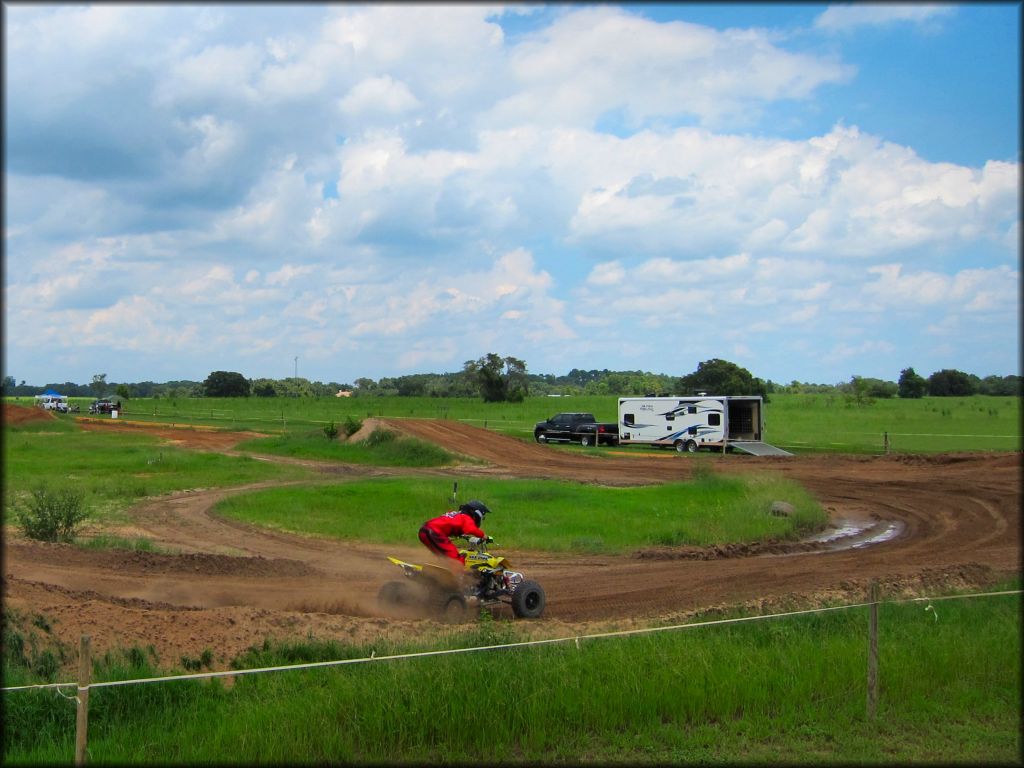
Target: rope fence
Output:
[(84, 684)]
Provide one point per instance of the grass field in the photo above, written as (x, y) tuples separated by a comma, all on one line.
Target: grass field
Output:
[(545, 515), (783, 691), (795, 422)]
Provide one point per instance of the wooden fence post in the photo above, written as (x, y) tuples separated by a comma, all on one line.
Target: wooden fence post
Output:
[(82, 716), (873, 650)]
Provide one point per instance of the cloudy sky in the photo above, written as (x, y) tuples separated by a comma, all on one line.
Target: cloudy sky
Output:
[(809, 191)]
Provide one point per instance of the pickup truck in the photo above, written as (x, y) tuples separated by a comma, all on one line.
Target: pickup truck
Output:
[(580, 428)]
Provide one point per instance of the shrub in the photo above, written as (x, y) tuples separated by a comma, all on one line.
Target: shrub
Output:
[(53, 515), (352, 425), (331, 431), (380, 437)]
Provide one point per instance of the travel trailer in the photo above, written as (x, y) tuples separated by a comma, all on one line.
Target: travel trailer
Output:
[(689, 424)]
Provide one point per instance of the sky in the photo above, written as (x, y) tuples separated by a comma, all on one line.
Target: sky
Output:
[(342, 191)]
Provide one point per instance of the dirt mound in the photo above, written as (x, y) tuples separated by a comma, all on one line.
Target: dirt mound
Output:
[(25, 414), (368, 428)]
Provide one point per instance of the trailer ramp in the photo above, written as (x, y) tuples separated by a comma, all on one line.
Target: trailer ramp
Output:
[(756, 448)]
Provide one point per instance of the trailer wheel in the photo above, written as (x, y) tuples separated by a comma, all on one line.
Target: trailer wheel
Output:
[(685, 446), (585, 441)]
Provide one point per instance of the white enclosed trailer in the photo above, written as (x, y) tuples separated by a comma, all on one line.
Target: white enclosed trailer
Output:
[(691, 423)]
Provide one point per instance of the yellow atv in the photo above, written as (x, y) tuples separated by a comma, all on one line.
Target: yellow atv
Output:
[(487, 580)]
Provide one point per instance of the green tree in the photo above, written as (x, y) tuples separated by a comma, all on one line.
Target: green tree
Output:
[(99, 384), (720, 377), (226, 384), (950, 383), (499, 379), (911, 385), (123, 392), (8, 386)]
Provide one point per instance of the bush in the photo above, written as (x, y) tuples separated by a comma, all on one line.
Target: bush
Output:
[(380, 437), (331, 431), (351, 425), (53, 515)]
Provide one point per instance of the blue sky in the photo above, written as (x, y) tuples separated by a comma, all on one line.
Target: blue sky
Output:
[(810, 191)]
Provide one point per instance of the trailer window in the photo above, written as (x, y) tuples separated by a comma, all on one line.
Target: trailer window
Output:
[(627, 419), (714, 419), (692, 409)]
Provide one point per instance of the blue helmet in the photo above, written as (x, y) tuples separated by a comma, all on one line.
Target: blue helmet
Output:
[(475, 509)]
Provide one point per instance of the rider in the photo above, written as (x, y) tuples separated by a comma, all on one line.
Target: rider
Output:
[(464, 521)]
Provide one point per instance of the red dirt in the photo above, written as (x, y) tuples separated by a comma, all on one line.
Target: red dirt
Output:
[(232, 584), (20, 414)]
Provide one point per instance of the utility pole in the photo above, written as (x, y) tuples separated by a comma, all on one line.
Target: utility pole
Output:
[(296, 366)]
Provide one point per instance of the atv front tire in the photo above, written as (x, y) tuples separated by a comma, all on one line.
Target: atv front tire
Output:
[(528, 600)]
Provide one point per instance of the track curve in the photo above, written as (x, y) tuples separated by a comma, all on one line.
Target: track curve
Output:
[(231, 584)]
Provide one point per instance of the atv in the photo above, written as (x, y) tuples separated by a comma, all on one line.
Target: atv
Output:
[(487, 580)]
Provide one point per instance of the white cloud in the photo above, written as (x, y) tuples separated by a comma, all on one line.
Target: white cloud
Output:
[(847, 17), (384, 187)]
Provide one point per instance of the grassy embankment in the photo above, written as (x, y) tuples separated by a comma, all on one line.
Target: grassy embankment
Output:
[(788, 690)]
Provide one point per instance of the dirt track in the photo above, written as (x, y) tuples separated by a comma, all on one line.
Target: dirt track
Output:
[(957, 518)]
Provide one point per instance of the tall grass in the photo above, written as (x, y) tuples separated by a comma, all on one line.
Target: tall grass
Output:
[(789, 690), (542, 514)]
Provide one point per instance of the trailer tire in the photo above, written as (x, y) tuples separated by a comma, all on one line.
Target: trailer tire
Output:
[(685, 446)]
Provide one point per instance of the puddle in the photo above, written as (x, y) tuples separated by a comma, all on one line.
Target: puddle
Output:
[(857, 534)]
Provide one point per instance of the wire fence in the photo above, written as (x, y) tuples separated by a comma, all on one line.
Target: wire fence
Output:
[(84, 685)]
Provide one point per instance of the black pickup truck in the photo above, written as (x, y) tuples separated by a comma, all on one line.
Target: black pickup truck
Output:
[(580, 428)]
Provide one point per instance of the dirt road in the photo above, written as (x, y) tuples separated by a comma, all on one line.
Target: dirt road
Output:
[(948, 520)]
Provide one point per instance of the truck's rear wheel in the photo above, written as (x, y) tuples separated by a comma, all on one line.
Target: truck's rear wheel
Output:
[(585, 441)]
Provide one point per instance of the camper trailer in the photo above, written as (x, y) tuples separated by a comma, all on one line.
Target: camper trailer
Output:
[(689, 424)]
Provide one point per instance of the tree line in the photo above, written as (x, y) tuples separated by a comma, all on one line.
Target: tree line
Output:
[(505, 379)]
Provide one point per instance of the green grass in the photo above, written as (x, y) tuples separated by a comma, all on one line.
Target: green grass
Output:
[(542, 514), (932, 424), (114, 471), (382, 448), (789, 690)]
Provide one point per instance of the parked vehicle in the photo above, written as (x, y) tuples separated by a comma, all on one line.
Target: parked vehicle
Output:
[(580, 428), (689, 424), (436, 591), (102, 405)]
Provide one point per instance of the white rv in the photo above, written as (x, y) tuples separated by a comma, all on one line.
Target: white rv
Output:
[(691, 423)]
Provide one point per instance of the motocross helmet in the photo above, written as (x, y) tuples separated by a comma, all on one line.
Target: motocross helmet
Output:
[(475, 509)]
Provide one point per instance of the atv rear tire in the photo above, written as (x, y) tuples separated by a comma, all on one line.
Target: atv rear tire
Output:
[(528, 600), (395, 594), (453, 609)]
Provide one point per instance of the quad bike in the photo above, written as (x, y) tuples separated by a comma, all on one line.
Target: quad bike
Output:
[(487, 580)]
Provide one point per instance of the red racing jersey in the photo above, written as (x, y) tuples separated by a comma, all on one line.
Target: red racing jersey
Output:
[(454, 523)]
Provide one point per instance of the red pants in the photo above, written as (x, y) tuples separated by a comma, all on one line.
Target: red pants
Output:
[(439, 544)]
